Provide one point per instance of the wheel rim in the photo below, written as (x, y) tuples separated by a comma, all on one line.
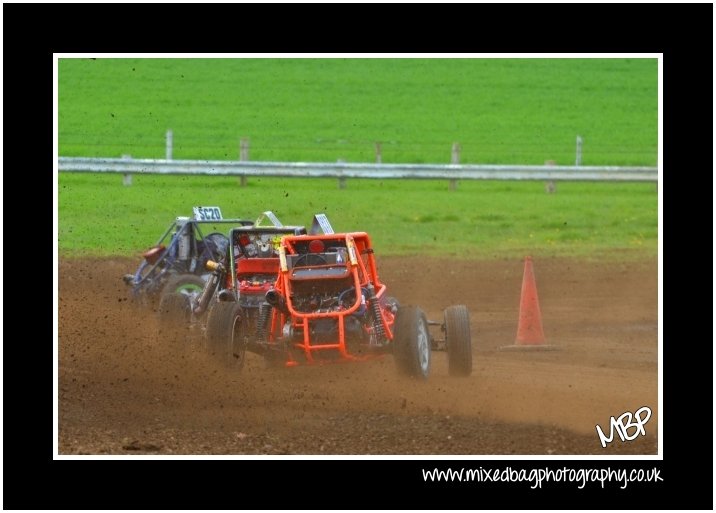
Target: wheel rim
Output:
[(188, 289), (235, 355), (423, 347)]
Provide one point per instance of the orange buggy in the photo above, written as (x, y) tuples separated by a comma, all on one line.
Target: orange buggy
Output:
[(328, 304)]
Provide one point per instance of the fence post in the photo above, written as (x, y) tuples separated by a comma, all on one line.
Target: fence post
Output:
[(127, 178), (550, 187), (378, 153), (243, 157), (454, 159), (170, 144), (341, 179), (578, 161)]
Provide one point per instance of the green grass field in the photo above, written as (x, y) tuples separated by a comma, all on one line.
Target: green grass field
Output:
[(502, 111), (521, 111), (98, 215)]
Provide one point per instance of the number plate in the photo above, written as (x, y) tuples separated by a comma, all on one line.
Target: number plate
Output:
[(207, 213)]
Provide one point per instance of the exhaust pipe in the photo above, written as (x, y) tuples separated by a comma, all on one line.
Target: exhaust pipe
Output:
[(275, 299)]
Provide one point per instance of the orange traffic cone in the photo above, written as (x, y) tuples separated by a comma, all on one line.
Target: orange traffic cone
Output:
[(530, 335), (529, 328)]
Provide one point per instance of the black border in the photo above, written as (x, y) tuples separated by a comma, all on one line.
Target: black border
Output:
[(32, 480)]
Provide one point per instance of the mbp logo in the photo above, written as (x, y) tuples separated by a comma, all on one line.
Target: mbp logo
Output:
[(624, 423)]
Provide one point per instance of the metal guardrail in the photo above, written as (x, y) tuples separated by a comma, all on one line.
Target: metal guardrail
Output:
[(357, 170)]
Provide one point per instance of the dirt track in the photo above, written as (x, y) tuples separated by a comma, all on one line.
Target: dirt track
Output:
[(126, 389)]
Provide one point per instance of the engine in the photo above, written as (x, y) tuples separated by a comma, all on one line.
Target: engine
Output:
[(253, 288), (318, 301)]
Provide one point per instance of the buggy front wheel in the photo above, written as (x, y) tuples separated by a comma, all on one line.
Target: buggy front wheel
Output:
[(187, 284), (174, 310), (411, 342)]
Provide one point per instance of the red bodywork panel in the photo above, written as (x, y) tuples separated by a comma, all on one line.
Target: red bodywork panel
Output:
[(256, 275), (152, 255)]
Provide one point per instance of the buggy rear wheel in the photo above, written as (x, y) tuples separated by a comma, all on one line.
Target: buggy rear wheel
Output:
[(225, 334), (459, 343), (411, 342)]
